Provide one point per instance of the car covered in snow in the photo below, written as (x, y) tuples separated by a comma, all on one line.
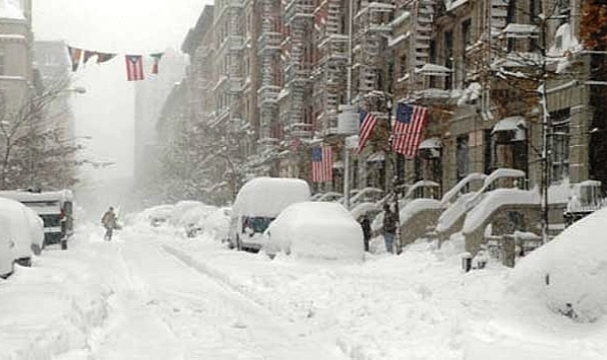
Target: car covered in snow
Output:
[(193, 221), (257, 204), (22, 231), (157, 215), (315, 230)]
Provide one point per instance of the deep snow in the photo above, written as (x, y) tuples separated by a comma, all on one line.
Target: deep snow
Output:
[(154, 294)]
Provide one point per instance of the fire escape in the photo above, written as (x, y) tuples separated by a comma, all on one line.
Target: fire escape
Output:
[(372, 27), (422, 17), (270, 85), (330, 72), (299, 15)]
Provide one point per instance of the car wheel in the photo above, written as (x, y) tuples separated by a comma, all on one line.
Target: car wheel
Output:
[(36, 249)]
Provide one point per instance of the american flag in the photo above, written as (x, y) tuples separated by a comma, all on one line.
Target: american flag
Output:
[(134, 67), (407, 132), (367, 124), (322, 164)]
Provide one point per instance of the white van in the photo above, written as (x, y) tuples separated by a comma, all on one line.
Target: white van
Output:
[(55, 209), (257, 204)]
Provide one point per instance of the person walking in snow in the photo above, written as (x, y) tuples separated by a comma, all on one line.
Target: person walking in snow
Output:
[(109, 222), (390, 225), (365, 224)]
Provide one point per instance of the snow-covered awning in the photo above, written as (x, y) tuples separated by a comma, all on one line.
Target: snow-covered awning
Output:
[(430, 143), (520, 31), (434, 70), (512, 123), (376, 157), (338, 164)]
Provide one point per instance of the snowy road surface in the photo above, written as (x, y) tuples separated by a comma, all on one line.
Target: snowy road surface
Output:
[(158, 307)]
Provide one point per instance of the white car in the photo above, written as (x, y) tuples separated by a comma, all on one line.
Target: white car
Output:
[(315, 230), (23, 230), (257, 204)]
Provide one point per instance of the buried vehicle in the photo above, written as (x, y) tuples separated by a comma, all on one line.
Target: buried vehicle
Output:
[(55, 209), (257, 204), (315, 230), (22, 230)]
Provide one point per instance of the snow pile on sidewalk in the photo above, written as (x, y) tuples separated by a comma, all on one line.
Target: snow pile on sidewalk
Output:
[(54, 306)]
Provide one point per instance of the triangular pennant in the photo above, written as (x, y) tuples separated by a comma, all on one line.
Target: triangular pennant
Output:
[(88, 55), (75, 55), (156, 57), (104, 57)]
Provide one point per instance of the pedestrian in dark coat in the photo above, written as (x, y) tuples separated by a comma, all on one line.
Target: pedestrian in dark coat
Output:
[(390, 225), (365, 224)]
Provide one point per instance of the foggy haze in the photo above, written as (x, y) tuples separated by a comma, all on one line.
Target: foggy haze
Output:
[(106, 112)]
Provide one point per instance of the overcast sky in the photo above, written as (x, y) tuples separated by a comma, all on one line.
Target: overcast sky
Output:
[(105, 112)]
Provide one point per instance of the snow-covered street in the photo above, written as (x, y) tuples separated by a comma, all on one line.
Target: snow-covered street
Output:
[(153, 293), (131, 299)]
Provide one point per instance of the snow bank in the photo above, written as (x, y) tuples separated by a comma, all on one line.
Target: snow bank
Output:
[(216, 225), (155, 215), (316, 230), (493, 200), (267, 197), (569, 274)]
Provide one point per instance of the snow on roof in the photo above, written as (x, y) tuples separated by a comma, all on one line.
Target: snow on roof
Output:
[(265, 196), (514, 30), (11, 9), (493, 200), (510, 124), (26, 196), (571, 269), (433, 70), (316, 230), (449, 195), (470, 94), (12, 36)]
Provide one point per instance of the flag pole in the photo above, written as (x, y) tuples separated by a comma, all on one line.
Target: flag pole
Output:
[(395, 178), (348, 102)]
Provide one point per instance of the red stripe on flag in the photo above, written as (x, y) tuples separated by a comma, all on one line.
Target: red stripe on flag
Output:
[(407, 136), (134, 67), (322, 164), (365, 131)]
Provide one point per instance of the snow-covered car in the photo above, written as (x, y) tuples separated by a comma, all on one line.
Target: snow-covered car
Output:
[(193, 221), (22, 229), (315, 230), (216, 224), (180, 209), (257, 204), (157, 215)]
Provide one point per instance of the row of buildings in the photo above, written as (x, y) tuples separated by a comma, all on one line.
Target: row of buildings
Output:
[(507, 84)]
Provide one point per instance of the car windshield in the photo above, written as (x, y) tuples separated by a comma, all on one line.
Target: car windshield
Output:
[(258, 224)]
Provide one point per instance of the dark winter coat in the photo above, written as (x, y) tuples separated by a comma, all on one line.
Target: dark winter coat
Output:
[(109, 220), (390, 222), (366, 226)]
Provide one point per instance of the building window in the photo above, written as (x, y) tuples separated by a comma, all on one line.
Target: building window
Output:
[(466, 33), (461, 157), (560, 145), (449, 59)]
